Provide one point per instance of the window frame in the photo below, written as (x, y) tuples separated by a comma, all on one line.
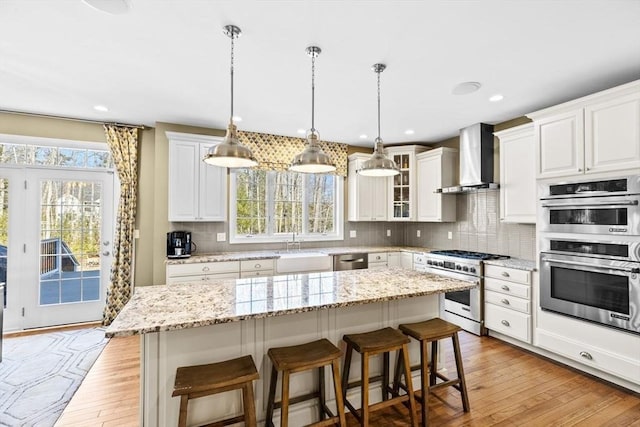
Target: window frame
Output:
[(337, 234)]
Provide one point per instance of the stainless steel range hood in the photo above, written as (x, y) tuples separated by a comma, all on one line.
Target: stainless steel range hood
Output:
[(476, 159)]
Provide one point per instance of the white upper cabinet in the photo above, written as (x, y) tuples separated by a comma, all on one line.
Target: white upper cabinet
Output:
[(403, 187), (596, 134), (436, 168), (517, 174), (197, 191), (367, 194)]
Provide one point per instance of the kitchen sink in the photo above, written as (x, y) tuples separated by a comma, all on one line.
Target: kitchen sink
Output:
[(298, 262)]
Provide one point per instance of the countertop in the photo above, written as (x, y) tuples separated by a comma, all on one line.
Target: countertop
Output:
[(516, 263), (189, 305), (270, 254)]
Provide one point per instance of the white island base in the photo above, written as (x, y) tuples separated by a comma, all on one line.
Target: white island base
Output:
[(163, 352)]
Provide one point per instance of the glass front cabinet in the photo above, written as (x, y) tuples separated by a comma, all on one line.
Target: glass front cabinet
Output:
[(403, 187)]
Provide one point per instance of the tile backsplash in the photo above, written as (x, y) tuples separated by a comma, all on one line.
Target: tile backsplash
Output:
[(478, 228)]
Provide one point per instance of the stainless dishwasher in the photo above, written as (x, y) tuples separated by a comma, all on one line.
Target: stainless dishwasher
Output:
[(355, 261)]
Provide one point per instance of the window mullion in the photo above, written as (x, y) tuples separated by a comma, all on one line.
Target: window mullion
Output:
[(305, 205), (270, 199)]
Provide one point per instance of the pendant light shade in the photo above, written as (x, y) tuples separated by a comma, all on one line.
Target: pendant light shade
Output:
[(230, 153), (312, 159), (379, 164)]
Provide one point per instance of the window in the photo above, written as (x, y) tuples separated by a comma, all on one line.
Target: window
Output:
[(270, 206)]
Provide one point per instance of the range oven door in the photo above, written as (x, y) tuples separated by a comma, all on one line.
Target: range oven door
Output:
[(605, 291), (608, 215)]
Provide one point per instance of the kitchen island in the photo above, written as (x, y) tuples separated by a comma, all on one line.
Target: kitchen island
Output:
[(194, 323)]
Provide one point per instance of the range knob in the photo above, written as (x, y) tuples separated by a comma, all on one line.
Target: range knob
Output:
[(465, 268), (440, 264), (472, 270), (429, 262), (458, 267)]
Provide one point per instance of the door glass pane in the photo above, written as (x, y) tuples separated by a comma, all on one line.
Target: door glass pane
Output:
[(70, 223), (4, 223)]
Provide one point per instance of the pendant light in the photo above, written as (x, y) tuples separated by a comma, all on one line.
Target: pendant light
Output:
[(379, 164), (312, 159), (230, 153)]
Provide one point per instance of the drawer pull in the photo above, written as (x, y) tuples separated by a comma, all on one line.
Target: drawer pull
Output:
[(505, 274), (257, 266), (505, 301), (505, 323), (505, 288), (205, 268), (586, 355), (378, 257)]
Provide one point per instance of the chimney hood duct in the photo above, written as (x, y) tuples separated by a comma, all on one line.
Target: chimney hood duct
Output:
[(476, 159)]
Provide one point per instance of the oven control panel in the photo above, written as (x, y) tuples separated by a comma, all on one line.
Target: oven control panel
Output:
[(461, 266)]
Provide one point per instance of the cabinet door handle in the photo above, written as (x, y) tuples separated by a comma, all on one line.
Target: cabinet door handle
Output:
[(505, 288), (205, 268), (505, 323), (505, 301), (257, 266), (579, 170), (505, 274), (586, 355), (587, 169)]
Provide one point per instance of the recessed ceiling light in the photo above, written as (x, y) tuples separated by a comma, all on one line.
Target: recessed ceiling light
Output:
[(409, 132), (112, 7), (302, 131), (465, 88), (497, 97), (102, 108), (237, 118), (363, 136)]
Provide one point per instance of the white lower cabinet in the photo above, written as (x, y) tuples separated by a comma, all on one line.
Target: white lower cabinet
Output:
[(378, 260), (419, 262), (595, 346), (256, 268), (202, 271), (507, 298)]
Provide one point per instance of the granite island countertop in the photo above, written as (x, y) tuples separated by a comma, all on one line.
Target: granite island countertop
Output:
[(190, 305), (271, 254)]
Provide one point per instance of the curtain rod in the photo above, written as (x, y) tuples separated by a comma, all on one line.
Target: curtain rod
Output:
[(74, 119)]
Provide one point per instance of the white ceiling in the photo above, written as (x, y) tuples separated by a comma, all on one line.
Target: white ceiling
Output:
[(168, 61)]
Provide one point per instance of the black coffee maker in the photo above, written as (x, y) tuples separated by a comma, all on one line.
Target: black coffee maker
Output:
[(179, 244)]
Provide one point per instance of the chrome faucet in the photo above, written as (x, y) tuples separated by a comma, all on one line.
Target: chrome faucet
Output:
[(293, 242)]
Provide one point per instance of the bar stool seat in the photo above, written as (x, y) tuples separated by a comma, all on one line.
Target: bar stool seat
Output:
[(369, 344), (298, 358), (426, 332), (203, 380)]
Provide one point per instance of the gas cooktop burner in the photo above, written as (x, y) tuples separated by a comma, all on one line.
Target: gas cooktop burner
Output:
[(469, 255)]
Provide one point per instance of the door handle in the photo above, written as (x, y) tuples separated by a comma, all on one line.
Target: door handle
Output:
[(106, 243), (505, 301), (596, 267), (106, 253), (590, 204)]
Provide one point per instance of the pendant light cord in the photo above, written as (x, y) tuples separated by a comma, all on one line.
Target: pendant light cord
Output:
[(313, 91), (233, 36), (378, 139)]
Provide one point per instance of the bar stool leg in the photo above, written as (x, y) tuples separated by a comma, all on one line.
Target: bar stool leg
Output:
[(364, 378), (182, 419), (249, 405), (321, 387), (407, 373), (385, 376), (272, 397), (397, 375), (463, 383), (284, 408), (434, 362), (424, 381), (345, 370), (335, 369)]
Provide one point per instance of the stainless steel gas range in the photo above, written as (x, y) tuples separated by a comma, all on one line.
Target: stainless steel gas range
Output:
[(464, 308)]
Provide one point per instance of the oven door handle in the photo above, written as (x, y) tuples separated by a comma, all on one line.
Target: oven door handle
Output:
[(589, 204), (586, 264)]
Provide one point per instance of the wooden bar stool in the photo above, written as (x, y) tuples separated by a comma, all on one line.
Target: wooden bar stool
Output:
[(369, 344), (203, 380), (427, 332), (298, 358)]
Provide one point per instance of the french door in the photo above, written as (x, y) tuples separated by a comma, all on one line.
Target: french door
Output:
[(58, 232)]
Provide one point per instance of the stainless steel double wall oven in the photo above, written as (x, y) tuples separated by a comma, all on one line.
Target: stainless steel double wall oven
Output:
[(590, 251)]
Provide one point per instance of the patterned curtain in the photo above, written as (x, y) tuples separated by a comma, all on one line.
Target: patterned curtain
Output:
[(275, 152), (123, 143)]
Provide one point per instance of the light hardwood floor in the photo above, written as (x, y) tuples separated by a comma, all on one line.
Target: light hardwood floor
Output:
[(507, 387)]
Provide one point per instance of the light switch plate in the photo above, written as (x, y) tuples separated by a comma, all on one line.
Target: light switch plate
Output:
[(388, 233), (136, 234), (221, 237), (418, 233), (449, 235), (352, 233)]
